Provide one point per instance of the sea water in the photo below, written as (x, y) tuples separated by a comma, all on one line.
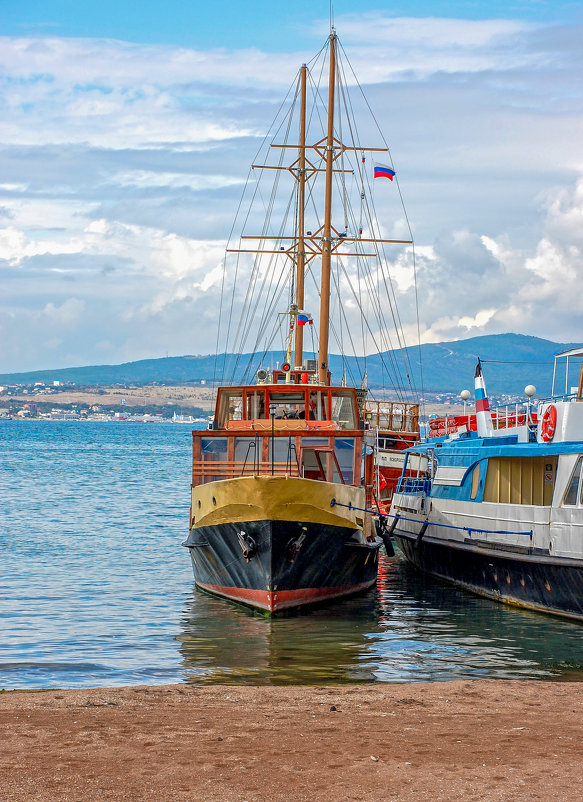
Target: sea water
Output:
[(96, 590)]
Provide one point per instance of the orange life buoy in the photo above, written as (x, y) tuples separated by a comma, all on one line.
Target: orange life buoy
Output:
[(549, 423)]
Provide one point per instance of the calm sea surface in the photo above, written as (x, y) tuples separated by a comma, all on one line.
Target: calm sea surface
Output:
[(95, 589)]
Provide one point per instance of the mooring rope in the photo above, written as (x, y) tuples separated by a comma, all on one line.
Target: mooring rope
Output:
[(468, 529)]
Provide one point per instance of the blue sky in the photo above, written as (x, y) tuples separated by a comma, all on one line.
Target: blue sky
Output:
[(125, 137), (224, 23)]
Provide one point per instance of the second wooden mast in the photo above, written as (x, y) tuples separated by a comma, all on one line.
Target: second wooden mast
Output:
[(327, 232), (301, 247), (326, 248)]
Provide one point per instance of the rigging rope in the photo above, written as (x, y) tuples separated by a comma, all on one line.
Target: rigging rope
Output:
[(369, 284)]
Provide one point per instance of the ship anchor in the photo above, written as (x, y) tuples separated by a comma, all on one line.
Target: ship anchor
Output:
[(248, 545), (294, 545)]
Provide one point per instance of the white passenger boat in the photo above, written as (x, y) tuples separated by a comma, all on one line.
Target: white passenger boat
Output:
[(496, 503)]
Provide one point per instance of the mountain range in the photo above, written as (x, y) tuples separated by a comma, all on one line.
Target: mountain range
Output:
[(510, 361)]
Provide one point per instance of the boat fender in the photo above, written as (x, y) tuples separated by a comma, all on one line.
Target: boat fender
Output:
[(394, 523), (248, 545), (421, 533), (549, 423), (384, 534)]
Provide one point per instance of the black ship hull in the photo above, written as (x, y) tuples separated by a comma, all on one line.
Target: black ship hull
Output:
[(279, 565), (531, 580)]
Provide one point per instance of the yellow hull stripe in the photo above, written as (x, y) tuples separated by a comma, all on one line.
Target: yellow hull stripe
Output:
[(276, 498)]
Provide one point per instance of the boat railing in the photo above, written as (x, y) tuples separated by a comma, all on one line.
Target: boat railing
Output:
[(393, 416), (413, 486), (567, 397), (511, 415), (210, 470), (503, 417), (333, 455)]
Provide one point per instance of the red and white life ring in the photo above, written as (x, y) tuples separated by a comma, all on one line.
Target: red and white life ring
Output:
[(549, 423)]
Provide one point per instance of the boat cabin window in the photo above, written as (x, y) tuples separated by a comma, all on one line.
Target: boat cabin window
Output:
[(214, 448), (520, 480), (322, 460), (344, 449), (288, 405), (322, 464), (475, 482), (230, 406), (343, 411), (574, 485), (313, 464), (255, 404), (317, 405)]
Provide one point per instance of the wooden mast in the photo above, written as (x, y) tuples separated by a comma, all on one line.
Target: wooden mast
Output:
[(326, 237), (301, 252)]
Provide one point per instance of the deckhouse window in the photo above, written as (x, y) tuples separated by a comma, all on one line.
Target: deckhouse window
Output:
[(520, 480), (343, 411), (255, 404), (475, 482), (288, 405), (231, 407), (344, 448), (317, 404), (573, 486)]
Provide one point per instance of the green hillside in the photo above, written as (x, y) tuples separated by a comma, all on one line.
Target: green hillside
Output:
[(510, 362)]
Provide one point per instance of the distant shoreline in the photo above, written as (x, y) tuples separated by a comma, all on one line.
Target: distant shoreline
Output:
[(111, 403), (17, 419)]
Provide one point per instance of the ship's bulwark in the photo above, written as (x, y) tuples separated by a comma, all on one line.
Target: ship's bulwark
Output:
[(551, 585), (288, 564)]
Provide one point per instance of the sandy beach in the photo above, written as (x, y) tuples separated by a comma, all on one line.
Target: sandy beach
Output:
[(478, 740)]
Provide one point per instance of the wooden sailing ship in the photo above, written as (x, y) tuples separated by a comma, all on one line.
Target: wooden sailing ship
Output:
[(281, 483)]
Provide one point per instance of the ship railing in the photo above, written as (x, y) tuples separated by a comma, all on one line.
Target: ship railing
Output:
[(412, 486), (511, 415), (503, 417), (567, 397), (210, 470), (393, 416)]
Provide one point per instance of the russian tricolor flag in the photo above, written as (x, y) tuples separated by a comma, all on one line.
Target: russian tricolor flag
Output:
[(382, 171)]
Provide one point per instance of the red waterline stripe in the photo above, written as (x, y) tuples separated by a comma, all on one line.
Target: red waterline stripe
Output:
[(280, 599)]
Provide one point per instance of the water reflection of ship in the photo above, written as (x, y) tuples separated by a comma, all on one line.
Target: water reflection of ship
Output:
[(411, 628), (229, 644), (469, 636)]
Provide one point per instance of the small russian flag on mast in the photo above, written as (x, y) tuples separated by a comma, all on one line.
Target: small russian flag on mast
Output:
[(382, 171)]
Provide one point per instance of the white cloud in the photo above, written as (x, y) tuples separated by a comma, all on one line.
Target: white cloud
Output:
[(147, 178), (121, 167), (67, 314), (535, 292)]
